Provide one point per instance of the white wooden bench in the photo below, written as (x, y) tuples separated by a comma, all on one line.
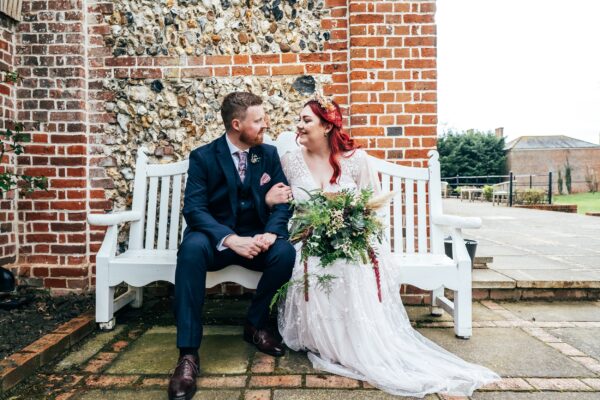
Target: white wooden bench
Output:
[(153, 239), (500, 192)]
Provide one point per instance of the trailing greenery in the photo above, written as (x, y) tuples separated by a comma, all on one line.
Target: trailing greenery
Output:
[(10, 142), (471, 153)]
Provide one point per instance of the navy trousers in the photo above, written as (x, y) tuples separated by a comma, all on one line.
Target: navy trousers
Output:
[(196, 256)]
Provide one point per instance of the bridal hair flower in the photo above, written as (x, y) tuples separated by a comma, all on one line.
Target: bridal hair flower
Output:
[(332, 114)]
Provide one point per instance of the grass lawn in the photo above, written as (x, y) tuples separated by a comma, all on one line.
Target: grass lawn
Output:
[(585, 201)]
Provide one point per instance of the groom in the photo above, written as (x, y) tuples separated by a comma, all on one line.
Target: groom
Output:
[(228, 222)]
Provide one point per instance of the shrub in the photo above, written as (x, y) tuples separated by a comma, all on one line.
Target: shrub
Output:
[(560, 182), (531, 196), (591, 179), (488, 192), (568, 176)]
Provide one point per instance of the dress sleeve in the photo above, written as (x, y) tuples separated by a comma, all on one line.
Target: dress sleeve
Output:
[(367, 176)]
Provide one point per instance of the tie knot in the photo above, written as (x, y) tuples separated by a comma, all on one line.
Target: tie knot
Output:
[(242, 155)]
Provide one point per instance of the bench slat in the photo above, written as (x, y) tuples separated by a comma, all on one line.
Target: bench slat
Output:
[(410, 215), (175, 214), (151, 219), (397, 215), (165, 188), (385, 186), (422, 216)]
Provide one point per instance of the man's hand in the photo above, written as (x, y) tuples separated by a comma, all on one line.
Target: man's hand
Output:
[(280, 193), (266, 240), (247, 247)]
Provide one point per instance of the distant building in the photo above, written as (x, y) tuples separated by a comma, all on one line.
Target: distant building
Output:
[(538, 155)]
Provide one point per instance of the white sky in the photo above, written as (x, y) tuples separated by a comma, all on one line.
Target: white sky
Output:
[(530, 66)]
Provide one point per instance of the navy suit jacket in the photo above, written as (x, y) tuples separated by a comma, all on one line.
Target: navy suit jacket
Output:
[(210, 201)]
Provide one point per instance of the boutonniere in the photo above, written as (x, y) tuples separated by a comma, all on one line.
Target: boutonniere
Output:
[(254, 158)]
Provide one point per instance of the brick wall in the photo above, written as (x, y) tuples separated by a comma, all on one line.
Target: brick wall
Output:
[(7, 115), (52, 103), (379, 60), (541, 161)]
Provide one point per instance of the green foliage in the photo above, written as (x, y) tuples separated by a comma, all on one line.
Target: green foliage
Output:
[(335, 225), (560, 182), (471, 153), (591, 179), (488, 192), (10, 142), (531, 196), (568, 176)]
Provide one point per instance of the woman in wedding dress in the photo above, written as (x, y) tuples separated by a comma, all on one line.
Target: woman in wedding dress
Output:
[(347, 331)]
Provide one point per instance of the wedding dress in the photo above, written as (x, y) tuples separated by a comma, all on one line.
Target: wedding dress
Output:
[(348, 331)]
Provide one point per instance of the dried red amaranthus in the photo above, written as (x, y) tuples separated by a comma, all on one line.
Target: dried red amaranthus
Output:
[(375, 262)]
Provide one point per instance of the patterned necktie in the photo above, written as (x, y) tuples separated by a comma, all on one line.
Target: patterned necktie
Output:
[(243, 164)]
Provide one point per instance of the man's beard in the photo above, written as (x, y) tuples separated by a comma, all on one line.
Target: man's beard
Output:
[(251, 141)]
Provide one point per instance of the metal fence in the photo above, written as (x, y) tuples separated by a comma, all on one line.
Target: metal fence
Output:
[(515, 182)]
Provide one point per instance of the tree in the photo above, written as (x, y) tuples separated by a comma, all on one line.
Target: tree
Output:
[(568, 176), (471, 153)]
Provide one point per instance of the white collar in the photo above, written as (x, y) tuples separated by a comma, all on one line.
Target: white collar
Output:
[(232, 147)]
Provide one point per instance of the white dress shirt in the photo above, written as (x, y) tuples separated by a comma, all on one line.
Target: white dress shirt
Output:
[(236, 161)]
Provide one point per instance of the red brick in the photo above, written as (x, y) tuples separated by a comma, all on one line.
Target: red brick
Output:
[(276, 381)]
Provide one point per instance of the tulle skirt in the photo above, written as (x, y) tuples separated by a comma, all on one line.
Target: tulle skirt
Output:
[(348, 332)]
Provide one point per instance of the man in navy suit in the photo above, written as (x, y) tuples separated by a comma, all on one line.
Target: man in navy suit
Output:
[(228, 222)]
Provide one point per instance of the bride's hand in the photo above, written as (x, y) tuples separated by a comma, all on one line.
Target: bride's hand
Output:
[(278, 194)]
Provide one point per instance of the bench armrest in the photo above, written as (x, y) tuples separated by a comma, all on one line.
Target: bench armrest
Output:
[(113, 218), (453, 221)]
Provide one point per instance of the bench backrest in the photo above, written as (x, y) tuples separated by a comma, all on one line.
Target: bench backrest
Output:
[(158, 193)]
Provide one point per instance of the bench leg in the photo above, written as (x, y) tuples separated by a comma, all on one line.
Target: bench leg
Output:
[(435, 310), (463, 313), (139, 296), (105, 297)]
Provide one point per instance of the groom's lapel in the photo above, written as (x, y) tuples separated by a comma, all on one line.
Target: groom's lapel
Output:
[(226, 162), (256, 170)]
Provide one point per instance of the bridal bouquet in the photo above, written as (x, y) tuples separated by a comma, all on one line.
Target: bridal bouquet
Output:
[(341, 225)]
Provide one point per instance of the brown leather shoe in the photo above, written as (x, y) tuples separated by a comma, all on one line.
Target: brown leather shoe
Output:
[(182, 385), (263, 340)]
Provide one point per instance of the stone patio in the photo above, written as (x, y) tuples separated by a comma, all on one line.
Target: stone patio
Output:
[(543, 351)]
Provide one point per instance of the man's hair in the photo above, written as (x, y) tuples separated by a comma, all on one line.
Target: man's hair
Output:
[(235, 105)]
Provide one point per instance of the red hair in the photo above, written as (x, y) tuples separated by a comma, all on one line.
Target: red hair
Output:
[(339, 141)]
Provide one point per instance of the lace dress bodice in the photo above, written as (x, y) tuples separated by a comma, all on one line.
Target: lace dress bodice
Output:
[(354, 173)]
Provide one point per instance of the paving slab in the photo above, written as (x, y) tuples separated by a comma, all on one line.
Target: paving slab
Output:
[(509, 352), (556, 311), (93, 345), (122, 395), (156, 395), (534, 396), (422, 314), (530, 240), (295, 362), (154, 353), (554, 278), (490, 279), (309, 394), (585, 339)]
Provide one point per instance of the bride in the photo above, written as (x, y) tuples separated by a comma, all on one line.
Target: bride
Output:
[(347, 331)]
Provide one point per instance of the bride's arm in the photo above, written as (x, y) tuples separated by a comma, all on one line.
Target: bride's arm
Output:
[(367, 176), (280, 193)]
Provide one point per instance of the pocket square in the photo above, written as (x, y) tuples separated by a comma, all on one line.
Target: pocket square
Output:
[(264, 179)]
